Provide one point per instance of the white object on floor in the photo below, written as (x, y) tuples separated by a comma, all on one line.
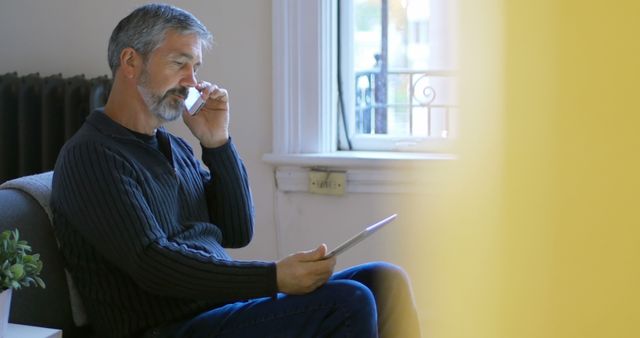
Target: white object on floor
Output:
[(25, 331)]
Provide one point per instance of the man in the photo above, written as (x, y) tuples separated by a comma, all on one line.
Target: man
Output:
[(143, 226)]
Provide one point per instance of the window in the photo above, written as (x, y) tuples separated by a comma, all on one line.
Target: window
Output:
[(398, 88), (305, 106), (305, 68)]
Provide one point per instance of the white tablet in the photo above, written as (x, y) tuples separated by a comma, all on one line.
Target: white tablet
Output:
[(362, 235)]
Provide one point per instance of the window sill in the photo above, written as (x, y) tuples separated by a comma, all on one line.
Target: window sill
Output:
[(356, 159), (367, 172)]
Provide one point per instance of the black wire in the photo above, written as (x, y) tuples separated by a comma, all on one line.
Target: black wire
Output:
[(340, 98)]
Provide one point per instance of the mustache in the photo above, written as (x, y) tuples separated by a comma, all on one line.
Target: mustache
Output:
[(181, 91)]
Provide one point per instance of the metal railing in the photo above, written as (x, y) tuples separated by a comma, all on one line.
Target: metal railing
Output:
[(406, 93)]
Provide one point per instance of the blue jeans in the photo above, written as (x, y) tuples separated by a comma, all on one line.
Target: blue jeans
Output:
[(369, 300)]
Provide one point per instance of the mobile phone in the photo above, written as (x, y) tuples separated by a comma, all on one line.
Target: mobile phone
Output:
[(194, 101)]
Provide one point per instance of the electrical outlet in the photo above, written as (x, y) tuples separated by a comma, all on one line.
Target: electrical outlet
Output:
[(327, 182)]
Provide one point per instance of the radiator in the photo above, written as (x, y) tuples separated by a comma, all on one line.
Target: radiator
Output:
[(38, 114)]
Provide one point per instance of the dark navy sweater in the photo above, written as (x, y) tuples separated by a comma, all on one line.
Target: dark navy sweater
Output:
[(143, 232)]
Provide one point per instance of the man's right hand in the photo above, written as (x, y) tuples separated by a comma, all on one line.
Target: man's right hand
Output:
[(305, 271)]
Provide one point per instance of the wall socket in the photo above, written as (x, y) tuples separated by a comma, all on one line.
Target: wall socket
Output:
[(327, 182)]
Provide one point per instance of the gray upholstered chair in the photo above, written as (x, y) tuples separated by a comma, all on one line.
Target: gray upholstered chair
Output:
[(23, 205)]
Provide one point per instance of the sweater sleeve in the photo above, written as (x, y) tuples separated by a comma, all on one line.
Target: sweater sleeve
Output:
[(229, 195), (100, 194)]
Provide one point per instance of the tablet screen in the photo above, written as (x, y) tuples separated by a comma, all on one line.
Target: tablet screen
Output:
[(362, 235)]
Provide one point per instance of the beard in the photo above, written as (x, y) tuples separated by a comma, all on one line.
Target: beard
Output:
[(165, 106)]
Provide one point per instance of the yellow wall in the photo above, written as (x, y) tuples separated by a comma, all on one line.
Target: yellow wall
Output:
[(538, 233)]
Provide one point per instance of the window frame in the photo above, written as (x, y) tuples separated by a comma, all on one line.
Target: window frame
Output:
[(303, 48)]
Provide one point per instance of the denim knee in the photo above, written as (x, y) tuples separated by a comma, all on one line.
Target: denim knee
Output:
[(352, 293), (357, 302), (391, 272)]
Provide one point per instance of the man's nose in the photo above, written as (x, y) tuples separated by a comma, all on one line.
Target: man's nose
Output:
[(189, 78)]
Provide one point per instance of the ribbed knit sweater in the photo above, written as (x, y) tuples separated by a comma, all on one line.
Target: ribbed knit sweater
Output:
[(143, 233)]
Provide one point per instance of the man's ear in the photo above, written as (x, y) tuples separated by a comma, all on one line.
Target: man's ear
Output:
[(130, 62)]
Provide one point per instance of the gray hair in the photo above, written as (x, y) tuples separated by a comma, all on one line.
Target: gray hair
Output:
[(145, 29)]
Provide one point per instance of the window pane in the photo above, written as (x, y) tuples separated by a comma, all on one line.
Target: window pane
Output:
[(366, 34), (399, 56)]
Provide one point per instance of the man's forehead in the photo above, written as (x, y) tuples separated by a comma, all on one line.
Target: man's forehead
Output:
[(182, 45), (183, 55)]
